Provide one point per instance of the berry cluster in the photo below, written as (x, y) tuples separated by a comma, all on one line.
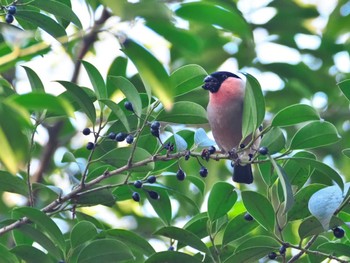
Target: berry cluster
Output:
[(11, 11), (282, 251), (139, 183)]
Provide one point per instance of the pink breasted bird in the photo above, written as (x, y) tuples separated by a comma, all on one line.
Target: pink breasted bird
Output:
[(225, 110)]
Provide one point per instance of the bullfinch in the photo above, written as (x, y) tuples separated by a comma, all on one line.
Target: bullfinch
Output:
[(225, 110)]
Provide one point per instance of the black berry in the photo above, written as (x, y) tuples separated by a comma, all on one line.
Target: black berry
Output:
[(112, 135), (263, 150), (272, 255), (155, 125), (203, 171), (153, 195), (90, 146), (338, 232), (152, 179), (138, 184), (248, 217), (128, 106), (211, 149), (250, 156), (155, 132), (242, 145), (12, 10), (171, 248), (129, 139), (187, 155), (180, 175), (136, 196), (283, 249), (205, 154), (9, 18), (120, 136), (86, 131)]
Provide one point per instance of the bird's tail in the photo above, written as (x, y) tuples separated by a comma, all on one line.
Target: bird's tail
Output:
[(242, 174)]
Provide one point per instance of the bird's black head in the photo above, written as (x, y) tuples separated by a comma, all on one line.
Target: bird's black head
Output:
[(214, 80)]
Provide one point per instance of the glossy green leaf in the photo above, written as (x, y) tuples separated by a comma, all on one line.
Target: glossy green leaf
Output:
[(315, 134), (117, 68), (128, 90), (172, 257), (260, 209), (44, 222), (345, 88), (7, 256), (324, 203), (132, 240), (13, 184), (183, 236), (336, 249), (152, 72), (274, 140), (96, 80), (184, 112), (82, 232), (346, 152), (311, 226), (237, 228), (44, 22), (221, 200), (259, 241), (300, 208), (100, 197), (295, 114), (34, 80), (116, 109), (31, 254), (58, 9), (201, 138), (197, 225), (253, 107), (82, 98), (249, 255), (105, 251), (161, 206)]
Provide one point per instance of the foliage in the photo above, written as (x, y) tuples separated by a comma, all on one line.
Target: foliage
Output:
[(301, 188)]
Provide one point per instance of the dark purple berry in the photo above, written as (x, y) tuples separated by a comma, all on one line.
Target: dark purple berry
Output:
[(180, 175), (212, 150), (282, 249), (138, 184), (129, 139), (205, 154), (9, 18), (248, 217), (338, 232), (128, 106), (203, 172), (272, 255), (112, 135), (121, 136), (155, 125), (136, 196), (187, 155), (90, 146), (242, 145), (263, 150), (260, 128), (12, 10), (86, 131), (171, 248), (153, 195), (152, 179), (155, 132), (250, 156)]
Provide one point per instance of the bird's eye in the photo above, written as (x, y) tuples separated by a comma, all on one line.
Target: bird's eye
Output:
[(224, 76)]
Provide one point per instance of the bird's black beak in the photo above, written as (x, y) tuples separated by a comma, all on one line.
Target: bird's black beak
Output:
[(211, 83)]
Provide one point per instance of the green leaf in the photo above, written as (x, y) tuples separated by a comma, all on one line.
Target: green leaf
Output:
[(82, 98), (132, 240), (172, 257), (161, 206), (44, 222), (184, 112), (116, 109), (253, 107), (187, 78), (152, 72), (183, 236), (346, 152), (315, 134), (259, 241), (237, 228), (34, 80), (249, 255), (311, 226), (201, 138), (128, 90), (105, 251), (58, 9), (96, 80), (7, 256), (82, 232), (286, 186), (197, 225), (221, 199), (44, 22), (295, 114), (274, 140), (324, 203), (260, 208), (43, 101), (336, 249), (13, 184), (213, 14), (100, 197), (345, 88), (31, 254)]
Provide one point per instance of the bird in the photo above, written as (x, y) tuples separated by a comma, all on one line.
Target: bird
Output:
[(224, 112)]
